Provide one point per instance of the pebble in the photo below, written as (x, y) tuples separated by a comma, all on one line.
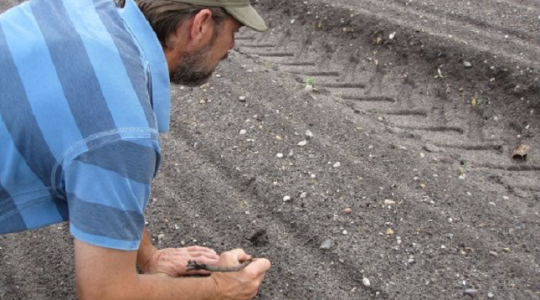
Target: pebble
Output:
[(309, 134), (242, 98), (446, 160), (286, 198), (490, 295), (337, 165), (471, 292), (467, 64), (302, 143), (389, 231), (432, 148), (396, 130), (161, 236), (243, 131), (366, 282), (279, 155), (327, 244), (303, 195), (389, 202), (347, 211)]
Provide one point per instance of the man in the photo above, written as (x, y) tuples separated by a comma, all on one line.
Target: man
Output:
[(84, 92)]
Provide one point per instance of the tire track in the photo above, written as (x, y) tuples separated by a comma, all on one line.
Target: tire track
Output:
[(473, 145)]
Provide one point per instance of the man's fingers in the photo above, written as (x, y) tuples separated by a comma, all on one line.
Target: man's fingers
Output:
[(233, 257), (259, 266), (200, 249)]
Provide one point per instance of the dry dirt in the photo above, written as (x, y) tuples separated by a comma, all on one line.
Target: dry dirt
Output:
[(397, 168)]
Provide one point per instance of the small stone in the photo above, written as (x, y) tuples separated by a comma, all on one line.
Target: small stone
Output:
[(490, 295), (467, 64), (446, 160), (432, 148), (471, 292), (242, 98), (309, 134), (243, 131), (389, 231), (493, 253), (366, 282), (303, 195), (302, 143), (161, 236), (286, 199), (337, 165), (347, 211), (506, 198), (344, 232), (218, 75), (279, 155), (389, 202), (327, 244)]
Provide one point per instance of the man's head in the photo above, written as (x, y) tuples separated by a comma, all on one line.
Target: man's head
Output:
[(197, 34)]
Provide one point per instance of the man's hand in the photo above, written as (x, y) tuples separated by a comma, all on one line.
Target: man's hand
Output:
[(242, 285), (173, 261)]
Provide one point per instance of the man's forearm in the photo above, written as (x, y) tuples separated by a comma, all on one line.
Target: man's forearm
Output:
[(108, 274), (163, 287)]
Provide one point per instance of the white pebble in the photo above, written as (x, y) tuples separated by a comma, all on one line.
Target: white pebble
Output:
[(242, 98), (366, 282), (302, 143), (279, 155), (243, 131), (389, 202), (337, 165), (286, 198)]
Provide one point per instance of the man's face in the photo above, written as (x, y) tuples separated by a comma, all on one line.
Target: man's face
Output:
[(196, 67)]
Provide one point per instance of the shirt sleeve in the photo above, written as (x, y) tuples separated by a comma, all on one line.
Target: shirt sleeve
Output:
[(107, 189)]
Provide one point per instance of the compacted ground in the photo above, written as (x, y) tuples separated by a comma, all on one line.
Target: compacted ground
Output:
[(365, 147)]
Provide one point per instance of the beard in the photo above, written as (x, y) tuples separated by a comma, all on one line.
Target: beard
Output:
[(193, 70)]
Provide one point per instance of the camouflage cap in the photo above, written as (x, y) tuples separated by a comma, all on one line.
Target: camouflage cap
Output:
[(241, 10)]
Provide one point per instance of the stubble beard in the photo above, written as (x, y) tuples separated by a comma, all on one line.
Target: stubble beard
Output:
[(193, 70)]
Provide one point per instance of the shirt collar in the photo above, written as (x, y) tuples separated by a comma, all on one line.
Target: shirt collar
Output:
[(161, 89)]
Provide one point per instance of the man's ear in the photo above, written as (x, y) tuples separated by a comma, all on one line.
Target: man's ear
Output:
[(202, 27)]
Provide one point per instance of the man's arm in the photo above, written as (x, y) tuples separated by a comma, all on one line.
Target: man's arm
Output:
[(108, 274), (172, 261), (146, 251)]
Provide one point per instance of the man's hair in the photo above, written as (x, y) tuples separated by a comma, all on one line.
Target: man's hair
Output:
[(164, 16)]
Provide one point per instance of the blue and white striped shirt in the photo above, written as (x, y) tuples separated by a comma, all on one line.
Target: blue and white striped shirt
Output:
[(84, 91)]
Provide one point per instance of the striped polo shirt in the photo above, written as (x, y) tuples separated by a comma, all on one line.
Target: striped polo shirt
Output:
[(84, 92)]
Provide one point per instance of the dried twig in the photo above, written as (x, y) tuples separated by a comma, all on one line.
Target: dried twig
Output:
[(194, 266)]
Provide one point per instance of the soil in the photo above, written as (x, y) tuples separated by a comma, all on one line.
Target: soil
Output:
[(396, 169)]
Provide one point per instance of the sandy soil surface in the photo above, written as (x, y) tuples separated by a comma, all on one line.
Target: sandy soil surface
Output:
[(394, 178)]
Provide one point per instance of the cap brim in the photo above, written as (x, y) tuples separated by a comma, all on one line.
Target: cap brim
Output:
[(248, 16)]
